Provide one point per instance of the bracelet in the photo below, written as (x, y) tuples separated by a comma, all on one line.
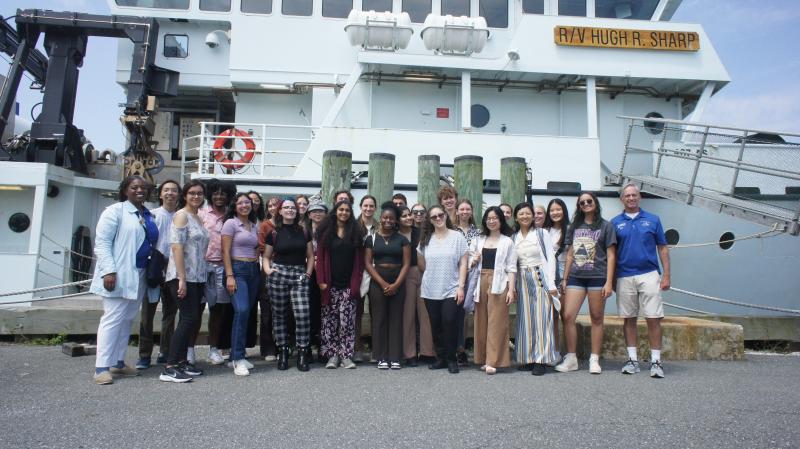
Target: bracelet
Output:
[(229, 275)]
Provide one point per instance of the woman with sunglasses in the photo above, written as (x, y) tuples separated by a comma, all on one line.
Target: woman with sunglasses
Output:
[(288, 261), (495, 292), (591, 257), (443, 260), (420, 215), (536, 340), (414, 307), (339, 267), (240, 258), (387, 258)]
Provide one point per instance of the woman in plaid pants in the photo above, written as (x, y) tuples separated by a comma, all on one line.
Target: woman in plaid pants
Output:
[(288, 263)]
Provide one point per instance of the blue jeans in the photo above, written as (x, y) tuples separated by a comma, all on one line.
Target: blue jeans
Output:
[(247, 278)]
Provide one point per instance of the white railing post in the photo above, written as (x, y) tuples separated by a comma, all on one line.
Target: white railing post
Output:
[(738, 162), (690, 196)]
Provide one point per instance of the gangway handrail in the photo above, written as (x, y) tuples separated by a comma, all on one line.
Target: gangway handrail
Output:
[(704, 125)]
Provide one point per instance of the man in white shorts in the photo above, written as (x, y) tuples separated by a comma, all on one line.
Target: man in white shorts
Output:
[(640, 245)]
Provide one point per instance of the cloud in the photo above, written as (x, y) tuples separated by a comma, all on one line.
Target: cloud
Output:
[(776, 110)]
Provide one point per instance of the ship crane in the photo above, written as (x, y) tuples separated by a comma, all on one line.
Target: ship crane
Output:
[(54, 138)]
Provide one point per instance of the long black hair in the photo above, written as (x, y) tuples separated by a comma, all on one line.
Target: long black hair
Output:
[(580, 218), (231, 212), (505, 229), (428, 229), (328, 227), (261, 215), (548, 222), (123, 186)]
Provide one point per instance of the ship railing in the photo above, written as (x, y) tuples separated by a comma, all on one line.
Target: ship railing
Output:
[(275, 150), (748, 173)]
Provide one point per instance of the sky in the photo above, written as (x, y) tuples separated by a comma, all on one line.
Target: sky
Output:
[(755, 40)]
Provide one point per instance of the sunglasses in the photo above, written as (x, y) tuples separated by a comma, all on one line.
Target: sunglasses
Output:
[(586, 202), (418, 211), (437, 217)]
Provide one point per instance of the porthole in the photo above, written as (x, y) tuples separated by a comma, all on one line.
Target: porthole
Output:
[(673, 236), (654, 127), (19, 222), (480, 115), (726, 240)]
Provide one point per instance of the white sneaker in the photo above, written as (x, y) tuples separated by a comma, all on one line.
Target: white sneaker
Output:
[(270, 358), (570, 363), (247, 364), (348, 364), (594, 366), (215, 358), (240, 369), (333, 362)]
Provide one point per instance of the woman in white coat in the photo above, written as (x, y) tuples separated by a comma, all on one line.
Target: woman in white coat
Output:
[(496, 260), (124, 236)]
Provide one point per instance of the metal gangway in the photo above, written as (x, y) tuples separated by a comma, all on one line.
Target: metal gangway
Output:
[(750, 174)]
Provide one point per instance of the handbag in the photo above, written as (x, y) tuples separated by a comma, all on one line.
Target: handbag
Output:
[(156, 265)]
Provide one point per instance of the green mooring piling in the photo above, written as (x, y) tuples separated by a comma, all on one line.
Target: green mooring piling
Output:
[(380, 181), (427, 179), (337, 169), (513, 180), (468, 172)]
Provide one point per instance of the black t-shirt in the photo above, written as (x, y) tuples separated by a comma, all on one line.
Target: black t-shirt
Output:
[(290, 248), (342, 258), (389, 251), (415, 236)]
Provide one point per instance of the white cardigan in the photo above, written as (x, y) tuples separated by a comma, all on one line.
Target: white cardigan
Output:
[(505, 261), (117, 239)]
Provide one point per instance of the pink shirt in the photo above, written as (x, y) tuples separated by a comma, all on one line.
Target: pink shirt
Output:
[(213, 223)]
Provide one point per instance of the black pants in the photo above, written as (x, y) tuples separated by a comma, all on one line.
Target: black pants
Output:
[(189, 316), (315, 310), (169, 308), (387, 317), (444, 315)]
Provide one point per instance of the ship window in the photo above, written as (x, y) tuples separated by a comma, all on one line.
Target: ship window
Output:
[(417, 9), (673, 236), (257, 6), (726, 240), (572, 8), (533, 6), (297, 7), (336, 8), (616, 9), (176, 45), (155, 4), (480, 115), (19, 222), (376, 5), (215, 5), (495, 12), (654, 128), (455, 7)]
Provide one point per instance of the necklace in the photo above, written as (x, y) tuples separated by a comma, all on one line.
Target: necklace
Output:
[(385, 239)]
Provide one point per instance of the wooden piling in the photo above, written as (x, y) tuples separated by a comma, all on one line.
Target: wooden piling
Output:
[(468, 173), (380, 181), (428, 174), (513, 180), (337, 169)]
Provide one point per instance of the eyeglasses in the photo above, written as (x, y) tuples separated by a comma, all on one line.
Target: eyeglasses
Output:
[(418, 211), (488, 219), (437, 217), (194, 194), (586, 202)]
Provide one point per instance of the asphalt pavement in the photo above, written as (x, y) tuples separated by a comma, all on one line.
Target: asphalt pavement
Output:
[(48, 399)]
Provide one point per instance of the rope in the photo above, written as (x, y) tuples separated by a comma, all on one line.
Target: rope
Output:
[(49, 298), (688, 309), (752, 236), (736, 303), (43, 289), (67, 249)]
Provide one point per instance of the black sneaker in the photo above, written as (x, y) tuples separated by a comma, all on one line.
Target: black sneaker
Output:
[(452, 367), (538, 369), (462, 359), (191, 370), (174, 374)]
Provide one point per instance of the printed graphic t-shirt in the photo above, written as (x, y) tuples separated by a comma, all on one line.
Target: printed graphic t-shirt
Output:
[(589, 249)]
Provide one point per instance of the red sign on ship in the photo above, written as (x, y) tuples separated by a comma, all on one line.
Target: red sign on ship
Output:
[(442, 112)]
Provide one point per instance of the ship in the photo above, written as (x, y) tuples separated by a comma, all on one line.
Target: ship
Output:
[(589, 94)]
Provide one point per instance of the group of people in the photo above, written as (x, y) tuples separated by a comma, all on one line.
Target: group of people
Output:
[(420, 270)]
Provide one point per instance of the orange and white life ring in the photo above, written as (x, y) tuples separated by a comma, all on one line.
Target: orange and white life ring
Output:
[(226, 157)]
